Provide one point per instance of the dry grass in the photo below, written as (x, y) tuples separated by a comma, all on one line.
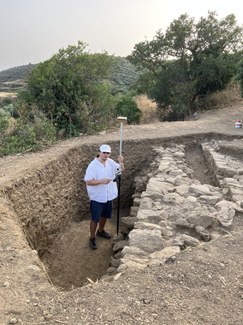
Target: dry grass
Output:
[(228, 97), (220, 99), (7, 95), (148, 109)]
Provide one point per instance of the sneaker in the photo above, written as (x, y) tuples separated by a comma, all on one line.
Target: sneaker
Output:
[(103, 234), (92, 243)]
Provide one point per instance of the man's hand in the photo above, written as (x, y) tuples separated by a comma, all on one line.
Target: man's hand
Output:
[(105, 181), (120, 159), (121, 162)]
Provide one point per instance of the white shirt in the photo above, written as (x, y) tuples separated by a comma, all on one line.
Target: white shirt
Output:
[(96, 170)]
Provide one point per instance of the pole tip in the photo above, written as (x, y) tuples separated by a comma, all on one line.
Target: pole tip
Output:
[(121, 118)]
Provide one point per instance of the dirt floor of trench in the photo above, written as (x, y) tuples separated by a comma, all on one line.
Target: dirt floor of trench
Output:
[(71, 263)]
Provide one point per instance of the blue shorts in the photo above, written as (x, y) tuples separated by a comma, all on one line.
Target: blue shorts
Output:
[(100, 210)]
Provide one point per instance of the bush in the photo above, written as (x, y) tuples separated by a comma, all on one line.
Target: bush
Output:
[(28, 136), (148, 109), (4, 121), (126, 106)]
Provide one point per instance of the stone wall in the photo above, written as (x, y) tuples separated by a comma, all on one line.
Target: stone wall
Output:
[(172, 210)]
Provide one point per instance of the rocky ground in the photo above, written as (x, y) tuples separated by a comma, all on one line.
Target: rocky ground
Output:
[(204, 285)]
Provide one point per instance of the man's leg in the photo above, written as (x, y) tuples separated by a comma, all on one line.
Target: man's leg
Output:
[(105, 214), (101, 232), (93, 226), (102, 223), (95, 209)]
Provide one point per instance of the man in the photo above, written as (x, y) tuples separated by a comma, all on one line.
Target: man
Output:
[(102, 189)]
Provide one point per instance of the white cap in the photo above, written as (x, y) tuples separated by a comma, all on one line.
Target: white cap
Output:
[(105, 148)]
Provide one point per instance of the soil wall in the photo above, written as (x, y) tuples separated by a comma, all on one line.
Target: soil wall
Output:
[(46, 200)]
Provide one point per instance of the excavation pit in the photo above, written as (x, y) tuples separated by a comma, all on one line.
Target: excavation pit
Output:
[(53, 207)]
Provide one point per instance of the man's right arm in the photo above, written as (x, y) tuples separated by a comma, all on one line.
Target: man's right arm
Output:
[(98, 181)]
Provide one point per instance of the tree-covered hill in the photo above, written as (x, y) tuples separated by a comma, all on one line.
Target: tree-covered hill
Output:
[(13, 79), (123, 76), (16, 73)]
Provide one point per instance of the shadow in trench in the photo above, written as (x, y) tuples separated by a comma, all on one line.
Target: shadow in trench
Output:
[(196, 161)]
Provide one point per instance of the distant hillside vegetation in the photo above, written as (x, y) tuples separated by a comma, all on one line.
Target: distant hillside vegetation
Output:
[(13, 79), (123, 76), (16, 73)]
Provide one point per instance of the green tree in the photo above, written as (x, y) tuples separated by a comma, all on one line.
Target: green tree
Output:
[(126, 106), (70, 90), (194, 58)]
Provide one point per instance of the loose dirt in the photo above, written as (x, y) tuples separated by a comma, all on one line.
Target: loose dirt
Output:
[(203, 286)]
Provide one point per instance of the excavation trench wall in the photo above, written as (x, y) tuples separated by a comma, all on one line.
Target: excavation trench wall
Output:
[(49, 198)]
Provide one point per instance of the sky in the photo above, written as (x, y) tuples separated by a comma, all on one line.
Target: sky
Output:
[(32, 31)]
